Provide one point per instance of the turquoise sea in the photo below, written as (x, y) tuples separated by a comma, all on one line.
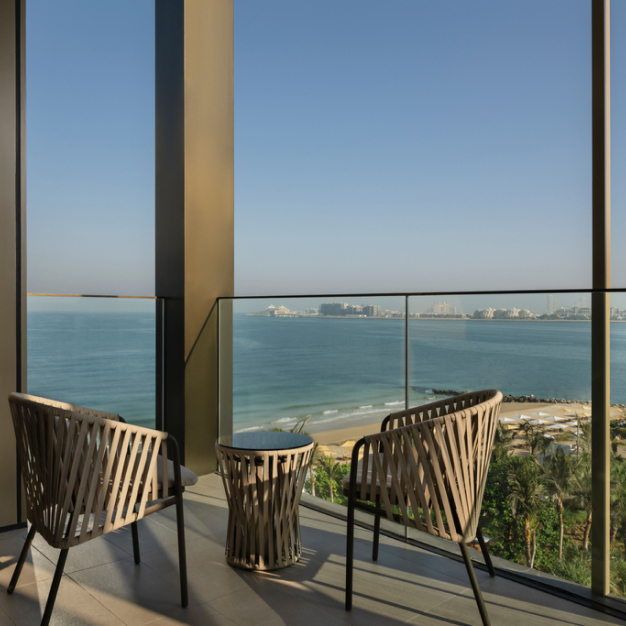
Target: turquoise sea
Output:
[(340, 372), (101, 360)]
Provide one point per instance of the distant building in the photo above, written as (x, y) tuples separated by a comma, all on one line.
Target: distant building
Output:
[(280, 311), (484, 314), (443, 308), (333, 308), (372, 310), (553, 305), (353, 310)]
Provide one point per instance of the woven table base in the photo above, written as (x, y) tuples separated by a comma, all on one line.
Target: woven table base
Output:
[(263, 492)]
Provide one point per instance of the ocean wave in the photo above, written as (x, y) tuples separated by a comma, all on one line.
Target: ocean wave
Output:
[(329, 412), (367, 406), (287, 419), (245, 430), (394, 403), (348, 414)]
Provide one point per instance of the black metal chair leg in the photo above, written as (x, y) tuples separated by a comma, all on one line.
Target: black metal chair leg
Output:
[(376, 532), (472, 576), (486, 555), (20, 562), (349, 554), (52, 596), (135, 533), (182, 554)]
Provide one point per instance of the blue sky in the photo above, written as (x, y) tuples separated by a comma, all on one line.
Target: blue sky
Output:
[(379, 147)]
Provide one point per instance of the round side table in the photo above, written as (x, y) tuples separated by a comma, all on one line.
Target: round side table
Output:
[(263, 475)]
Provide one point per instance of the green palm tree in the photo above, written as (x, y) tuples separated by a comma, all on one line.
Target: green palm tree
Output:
[(333, 471), (582, 494), (618, 497), (534, 438), (525, 500), (618, 434), (558, 477), (502, 443), (316, 455)]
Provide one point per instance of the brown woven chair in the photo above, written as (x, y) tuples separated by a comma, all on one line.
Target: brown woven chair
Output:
[(87, 473), (430, 464)]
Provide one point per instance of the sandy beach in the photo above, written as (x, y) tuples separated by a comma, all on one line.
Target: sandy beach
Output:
[(339, 442)]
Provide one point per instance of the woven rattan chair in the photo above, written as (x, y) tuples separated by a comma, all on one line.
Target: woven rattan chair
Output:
[(87, 473), (430, 464)]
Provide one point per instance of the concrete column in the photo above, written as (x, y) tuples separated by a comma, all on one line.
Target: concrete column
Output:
[(12, 247), (194, 211)]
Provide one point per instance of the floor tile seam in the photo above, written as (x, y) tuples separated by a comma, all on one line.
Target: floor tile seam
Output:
[(200, 534), (432, 609), (290, 593), (92, 597), (452, 577), (33, 547), (221, 598), (68, 576), (388, 594), (9, 620), (470, 594), (176, 566), (108, 540), (86, 569), (462, 578), (155, 519)]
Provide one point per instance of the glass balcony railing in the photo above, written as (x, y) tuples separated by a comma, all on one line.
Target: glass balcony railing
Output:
[(95, 352), (335, 367)]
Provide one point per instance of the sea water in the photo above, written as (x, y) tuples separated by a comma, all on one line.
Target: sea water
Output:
[(334, 372), (105, 361), (344, 372)]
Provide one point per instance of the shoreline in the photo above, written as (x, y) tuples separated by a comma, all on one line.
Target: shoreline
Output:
[(339, 436), (339, 442)]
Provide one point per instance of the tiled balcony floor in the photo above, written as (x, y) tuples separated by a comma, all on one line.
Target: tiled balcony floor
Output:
[(103, 586)]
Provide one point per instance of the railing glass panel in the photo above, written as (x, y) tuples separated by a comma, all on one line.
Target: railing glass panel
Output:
[(344, 373), (536, 349), (335, 366), (94, 352)]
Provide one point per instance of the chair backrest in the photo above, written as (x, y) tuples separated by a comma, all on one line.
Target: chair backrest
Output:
[(435, 463), (84, 474)]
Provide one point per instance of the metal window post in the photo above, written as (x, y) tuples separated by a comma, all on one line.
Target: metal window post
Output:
[(600, 321)]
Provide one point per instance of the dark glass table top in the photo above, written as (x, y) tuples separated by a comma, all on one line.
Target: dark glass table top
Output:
[(264, 440)]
